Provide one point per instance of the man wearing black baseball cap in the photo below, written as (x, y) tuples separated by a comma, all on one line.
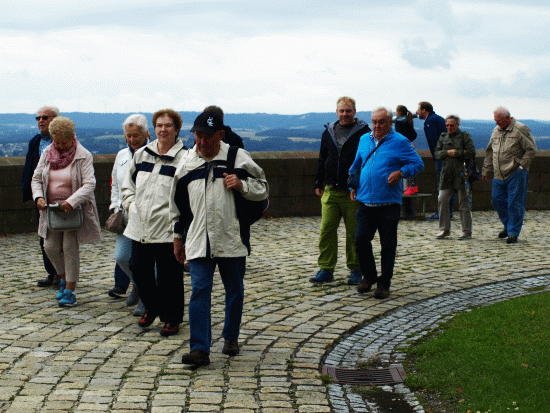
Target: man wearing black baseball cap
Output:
[(208, 233)]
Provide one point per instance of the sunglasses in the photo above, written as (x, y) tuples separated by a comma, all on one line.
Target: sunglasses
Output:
[(44, 117)]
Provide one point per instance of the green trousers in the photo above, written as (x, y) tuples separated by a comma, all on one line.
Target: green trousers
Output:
[(335, 205)]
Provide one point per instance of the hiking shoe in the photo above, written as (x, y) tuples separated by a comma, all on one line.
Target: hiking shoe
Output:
[(139, 310), (147, 319), (512, 239), (465, 235), (116, 292), (323, 276), (355, 277), (381, 293), (443, 234), (411, 190), (61, 292), (231, 347), (434, 216), (56, 280), (46, 282), (503, 234), (364, 286), (169, 329), (133, 297), (68, 300), (196, 358)]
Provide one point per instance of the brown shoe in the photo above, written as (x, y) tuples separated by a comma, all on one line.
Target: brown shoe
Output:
[(169, 329), (196, 358), (443, 234), (231, 347), (381, 293), (364, 286), (147, 319)]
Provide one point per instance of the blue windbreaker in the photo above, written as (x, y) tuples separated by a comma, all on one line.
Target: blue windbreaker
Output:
[(395, 154)]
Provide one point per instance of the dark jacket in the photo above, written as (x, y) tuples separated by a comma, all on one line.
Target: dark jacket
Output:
[(452, 173), (231, 138), (403, 127), (333, 167), (33, 155), (434, 126)]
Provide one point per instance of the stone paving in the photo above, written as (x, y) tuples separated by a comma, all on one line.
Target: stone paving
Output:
[(94, 358)]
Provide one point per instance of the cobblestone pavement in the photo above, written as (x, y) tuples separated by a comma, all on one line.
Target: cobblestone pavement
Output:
[(93, 357)]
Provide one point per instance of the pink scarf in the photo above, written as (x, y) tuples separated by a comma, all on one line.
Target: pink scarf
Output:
[(61, 160)]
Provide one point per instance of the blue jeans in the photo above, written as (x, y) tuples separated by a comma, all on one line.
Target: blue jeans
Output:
[(370, 219), (202, 273), (123, 252), (509, 197)]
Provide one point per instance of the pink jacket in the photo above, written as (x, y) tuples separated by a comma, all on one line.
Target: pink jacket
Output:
[(83, 185)]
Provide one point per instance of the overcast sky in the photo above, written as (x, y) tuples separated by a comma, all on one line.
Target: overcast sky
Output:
[(287, 57)]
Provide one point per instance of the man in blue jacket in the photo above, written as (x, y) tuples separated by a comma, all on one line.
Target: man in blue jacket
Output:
[(338, 148), (379, 195), (434, 126), (36, 146)]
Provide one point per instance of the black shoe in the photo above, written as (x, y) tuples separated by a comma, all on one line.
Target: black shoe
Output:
[(512, 239), (116, 292), (196, 358), (364, 286), (503, 234), (381, 293), (231, 347), (47, 282)]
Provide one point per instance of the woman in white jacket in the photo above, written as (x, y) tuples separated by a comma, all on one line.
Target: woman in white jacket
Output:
[(136, 134), (146, 193)]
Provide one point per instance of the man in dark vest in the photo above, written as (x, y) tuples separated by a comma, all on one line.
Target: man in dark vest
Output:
[(36, 146)]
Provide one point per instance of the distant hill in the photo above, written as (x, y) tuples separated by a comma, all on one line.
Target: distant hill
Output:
[(102, 132)]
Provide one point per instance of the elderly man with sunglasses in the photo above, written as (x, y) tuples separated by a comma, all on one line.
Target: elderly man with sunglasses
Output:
[(36, 146)]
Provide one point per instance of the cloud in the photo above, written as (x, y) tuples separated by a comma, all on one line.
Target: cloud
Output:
[(524, 85), (421, 56)]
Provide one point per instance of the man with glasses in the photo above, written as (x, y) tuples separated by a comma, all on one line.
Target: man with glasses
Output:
[(36, 146)]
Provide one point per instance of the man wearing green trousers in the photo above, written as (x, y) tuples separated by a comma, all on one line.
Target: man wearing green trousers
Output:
[(338, 148)]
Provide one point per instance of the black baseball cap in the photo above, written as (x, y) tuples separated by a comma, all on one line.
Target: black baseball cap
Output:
[(207, 122)]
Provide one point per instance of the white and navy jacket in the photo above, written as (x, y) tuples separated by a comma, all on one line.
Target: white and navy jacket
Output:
[(146, 193), (203, 210)]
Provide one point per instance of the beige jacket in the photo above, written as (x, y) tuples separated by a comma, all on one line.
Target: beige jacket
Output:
[(509, 149), (83, 185)]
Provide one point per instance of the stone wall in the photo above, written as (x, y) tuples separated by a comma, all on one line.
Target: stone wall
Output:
[(290, 176)]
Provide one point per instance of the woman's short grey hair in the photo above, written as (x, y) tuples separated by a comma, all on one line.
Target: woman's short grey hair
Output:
[(389, 112), (51, 108), (455, 118), (136, 119)]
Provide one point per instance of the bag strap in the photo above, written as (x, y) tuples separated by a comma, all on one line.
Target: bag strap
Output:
[(374, 150), (231, 156)]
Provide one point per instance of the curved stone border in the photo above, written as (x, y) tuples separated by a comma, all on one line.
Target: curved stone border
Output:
[(394, 330)]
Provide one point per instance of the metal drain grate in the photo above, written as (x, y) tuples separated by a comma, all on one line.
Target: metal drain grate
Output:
[(390, 375)]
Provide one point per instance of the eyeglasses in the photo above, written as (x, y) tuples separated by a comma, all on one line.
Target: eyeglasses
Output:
[(43, 117), (165, 125)]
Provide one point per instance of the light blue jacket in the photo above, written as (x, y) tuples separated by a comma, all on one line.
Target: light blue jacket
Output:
[(395, 154)]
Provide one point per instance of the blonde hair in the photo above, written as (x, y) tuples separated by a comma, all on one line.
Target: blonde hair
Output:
[(62, 127), (346, 99)]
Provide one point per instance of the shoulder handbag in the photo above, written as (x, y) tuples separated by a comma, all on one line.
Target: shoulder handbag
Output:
[(58, 220), (355, 177), (115, 222), (472, 170)]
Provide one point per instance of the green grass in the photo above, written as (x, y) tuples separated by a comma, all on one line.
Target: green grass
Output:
[(495, 358)]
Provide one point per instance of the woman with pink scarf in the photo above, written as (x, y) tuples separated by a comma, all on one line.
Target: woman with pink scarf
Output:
[(65, 176)]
